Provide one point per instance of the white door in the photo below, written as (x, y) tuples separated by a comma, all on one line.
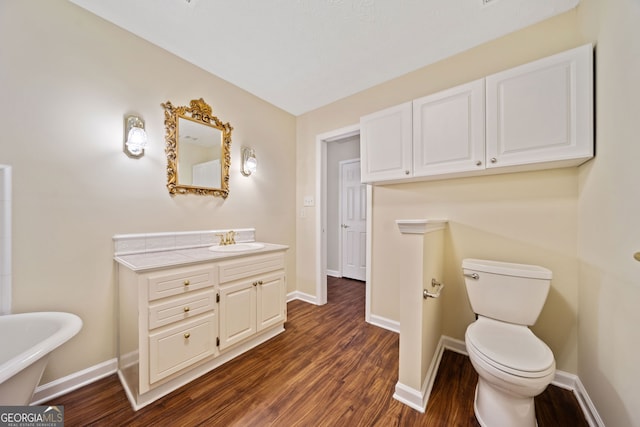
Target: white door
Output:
[(353, 227)]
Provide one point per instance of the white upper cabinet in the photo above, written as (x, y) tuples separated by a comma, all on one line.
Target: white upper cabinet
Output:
[(535, 116), (385, 144), (542, 111), (448, 131)]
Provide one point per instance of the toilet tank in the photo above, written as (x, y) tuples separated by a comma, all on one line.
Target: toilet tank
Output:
[(513, 293)]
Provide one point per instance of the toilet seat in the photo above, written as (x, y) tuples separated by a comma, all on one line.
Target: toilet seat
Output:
[(510, 348)]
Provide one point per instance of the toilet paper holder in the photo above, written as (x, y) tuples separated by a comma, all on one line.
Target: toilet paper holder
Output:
[(437, 286)]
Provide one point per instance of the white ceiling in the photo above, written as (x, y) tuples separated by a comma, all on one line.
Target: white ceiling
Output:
[(302, 54)]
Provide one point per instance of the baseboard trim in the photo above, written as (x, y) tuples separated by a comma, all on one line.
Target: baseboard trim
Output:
[(572, 382), (334, 273), (409, 396), (74, 381), (297, 295), (383, 322), (453, 344)]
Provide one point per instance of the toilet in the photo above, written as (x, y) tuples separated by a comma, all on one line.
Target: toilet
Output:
[(513, 365)]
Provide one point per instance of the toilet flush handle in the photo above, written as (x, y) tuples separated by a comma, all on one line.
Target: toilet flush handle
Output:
[(474, 276)]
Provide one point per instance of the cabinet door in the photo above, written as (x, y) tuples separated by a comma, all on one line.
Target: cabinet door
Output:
[(542, 111), (237, 312), (271, 301), (180, 346), (448, 131), (385, 144)]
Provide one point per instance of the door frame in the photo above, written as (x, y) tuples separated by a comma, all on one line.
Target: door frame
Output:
[(321, 216)]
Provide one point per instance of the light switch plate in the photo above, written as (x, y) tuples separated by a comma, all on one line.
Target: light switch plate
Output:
[(308, 201)]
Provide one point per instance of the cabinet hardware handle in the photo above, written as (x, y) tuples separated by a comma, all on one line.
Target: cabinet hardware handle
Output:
[(259, 282), (478, 163), (493, 160), (255, 283), (187, 335), (186, 283), (472, 275), (186, 309), (407, 172), (636, 256)]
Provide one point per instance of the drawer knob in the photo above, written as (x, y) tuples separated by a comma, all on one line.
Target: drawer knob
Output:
[(186, 283), (187, 335), (260, 282), (186, 309)]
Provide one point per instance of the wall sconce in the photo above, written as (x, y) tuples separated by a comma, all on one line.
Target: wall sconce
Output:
[(249, 161), (136, 137)]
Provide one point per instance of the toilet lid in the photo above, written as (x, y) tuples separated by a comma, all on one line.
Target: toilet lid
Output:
[(511, 348)]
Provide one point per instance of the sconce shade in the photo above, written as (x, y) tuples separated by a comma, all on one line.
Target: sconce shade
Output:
[(251, 164), (249, 161), (136, 137)]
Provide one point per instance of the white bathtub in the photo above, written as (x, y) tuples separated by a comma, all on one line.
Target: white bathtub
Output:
[(25, 343)]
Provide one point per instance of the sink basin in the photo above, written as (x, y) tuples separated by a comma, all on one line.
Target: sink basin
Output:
[(237, 247)]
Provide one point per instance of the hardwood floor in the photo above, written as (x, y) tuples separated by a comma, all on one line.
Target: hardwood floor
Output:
[(329, 368)]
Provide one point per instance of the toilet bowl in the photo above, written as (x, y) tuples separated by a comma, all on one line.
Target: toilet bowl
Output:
[(513, 365)]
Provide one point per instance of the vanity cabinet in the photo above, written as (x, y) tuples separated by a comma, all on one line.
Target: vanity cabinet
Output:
[(179, 322), (535, 116), (252, 297)]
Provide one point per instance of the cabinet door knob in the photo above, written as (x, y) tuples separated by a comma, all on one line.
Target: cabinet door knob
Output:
[(255, 283), (187, 335), (478, 163), (186, 283), (493, 160), (260, 282), (186, 309), (407, 172)]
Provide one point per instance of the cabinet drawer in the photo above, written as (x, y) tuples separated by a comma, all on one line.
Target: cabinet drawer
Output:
[(180, 308), (181, 346), (180, 281), (249, 266)]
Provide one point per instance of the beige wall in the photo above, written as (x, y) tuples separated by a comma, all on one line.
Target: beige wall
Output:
[(525, 217), (609, 214), (68, 78)]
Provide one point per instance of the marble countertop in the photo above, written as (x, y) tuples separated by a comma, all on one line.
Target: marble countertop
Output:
[(181, 257)]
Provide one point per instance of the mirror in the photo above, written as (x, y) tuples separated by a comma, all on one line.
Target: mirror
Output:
[(198, 150)]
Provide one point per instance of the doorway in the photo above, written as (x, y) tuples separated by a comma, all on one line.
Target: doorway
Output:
[(323, 144)]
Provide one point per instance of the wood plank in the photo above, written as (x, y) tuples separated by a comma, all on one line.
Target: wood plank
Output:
[(329, 368)]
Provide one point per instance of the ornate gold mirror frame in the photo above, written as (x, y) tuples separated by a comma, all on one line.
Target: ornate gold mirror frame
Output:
[(198, 113)]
